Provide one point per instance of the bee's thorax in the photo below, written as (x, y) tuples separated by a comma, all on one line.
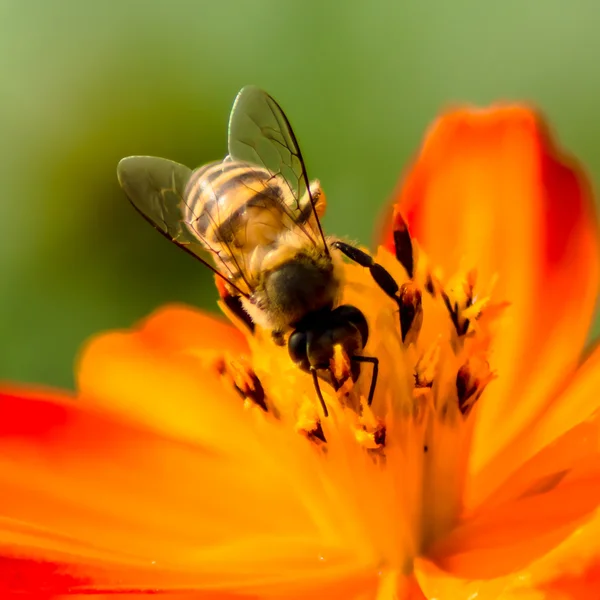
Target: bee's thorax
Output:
[(301, 283)]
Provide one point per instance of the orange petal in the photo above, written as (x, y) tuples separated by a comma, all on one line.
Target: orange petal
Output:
[(38, 580), (567, 428), (568, 572), (163, 375), (132, 509), (506, 538), (545, 470), (489, 187), (21, 576), (91, 485), (584, 586), (143, 595), (437, 583), (572, 571), (180, 328)]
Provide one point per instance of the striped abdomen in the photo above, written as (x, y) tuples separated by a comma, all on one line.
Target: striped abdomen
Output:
[(236, 208)]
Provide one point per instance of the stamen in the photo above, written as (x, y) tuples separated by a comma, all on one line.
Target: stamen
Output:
[(411, 312), (458, 298), (459, 325), (316, 434), (244, 380), (471, 379), (340, 364), (371, 439), (429, 285), (308, 424), (466, 387), (403, 245), (426, 367), (341, 377), (380, 435), (469, 287)]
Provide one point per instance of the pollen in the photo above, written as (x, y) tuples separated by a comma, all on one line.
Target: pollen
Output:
[(340, 364)]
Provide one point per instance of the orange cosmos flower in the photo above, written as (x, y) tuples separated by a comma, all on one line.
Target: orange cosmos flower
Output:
[(474, 474)]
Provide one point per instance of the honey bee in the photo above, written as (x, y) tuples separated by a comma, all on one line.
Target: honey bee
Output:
[(258, 215)]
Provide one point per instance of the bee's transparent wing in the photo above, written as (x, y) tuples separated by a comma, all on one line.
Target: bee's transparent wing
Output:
[(155, 186), (260, 134)]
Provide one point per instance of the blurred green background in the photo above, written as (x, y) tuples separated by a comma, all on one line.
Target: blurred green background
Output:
[(85, 83)]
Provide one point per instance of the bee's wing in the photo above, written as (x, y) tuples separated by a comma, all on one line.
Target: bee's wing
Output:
[(260, 134), (155, 186)]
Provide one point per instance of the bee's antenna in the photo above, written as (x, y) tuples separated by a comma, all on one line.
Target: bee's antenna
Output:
[(318, 390)]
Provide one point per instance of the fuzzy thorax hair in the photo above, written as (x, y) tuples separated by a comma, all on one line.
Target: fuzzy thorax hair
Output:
[(296, 278)]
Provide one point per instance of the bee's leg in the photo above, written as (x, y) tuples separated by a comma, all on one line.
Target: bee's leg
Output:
[(408, 299), (375, 362), (234, 304), (381, 275)]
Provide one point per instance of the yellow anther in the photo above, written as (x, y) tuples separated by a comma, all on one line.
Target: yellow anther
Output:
[(371, 440), (306, 417), (471, 379), (426, 366), (340, 364)]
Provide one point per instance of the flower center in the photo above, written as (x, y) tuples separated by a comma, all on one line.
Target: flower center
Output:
[(410, 446)]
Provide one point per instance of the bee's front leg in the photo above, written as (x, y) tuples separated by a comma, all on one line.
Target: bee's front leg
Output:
[(379, 273), (408, 298)]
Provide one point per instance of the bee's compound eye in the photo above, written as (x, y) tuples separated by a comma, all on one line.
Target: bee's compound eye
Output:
[(298, 349), (351, 314)]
